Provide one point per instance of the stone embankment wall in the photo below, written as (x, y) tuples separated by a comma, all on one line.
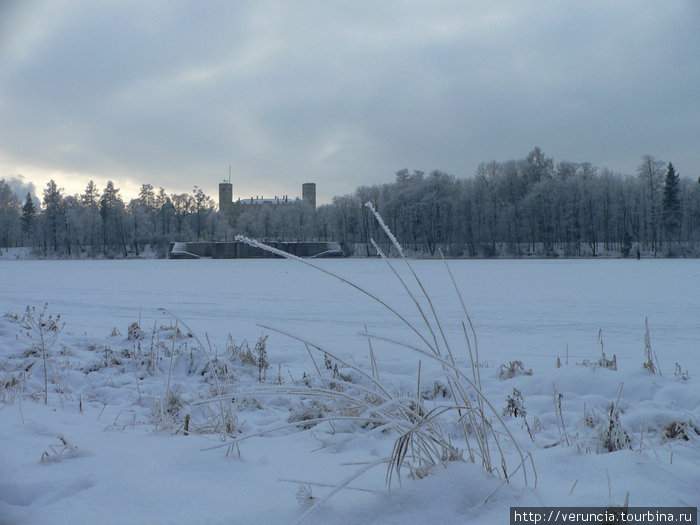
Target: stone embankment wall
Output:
[(240, 250)]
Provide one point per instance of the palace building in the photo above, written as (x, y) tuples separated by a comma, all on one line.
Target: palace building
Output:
[(229, 206)]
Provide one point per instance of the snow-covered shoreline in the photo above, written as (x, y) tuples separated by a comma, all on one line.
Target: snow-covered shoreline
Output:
[(111, 366)]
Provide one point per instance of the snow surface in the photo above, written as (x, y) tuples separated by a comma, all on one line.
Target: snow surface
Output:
[(123, 461), (14, 254)]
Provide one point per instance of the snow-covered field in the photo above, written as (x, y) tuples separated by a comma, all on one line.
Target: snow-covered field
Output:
[(106, 450)]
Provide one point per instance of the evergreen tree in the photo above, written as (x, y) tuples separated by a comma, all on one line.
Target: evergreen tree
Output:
[(90, 201), (91, 195), (112, 211), (53, 211), (28, 216), (147, 196), (671, 204)]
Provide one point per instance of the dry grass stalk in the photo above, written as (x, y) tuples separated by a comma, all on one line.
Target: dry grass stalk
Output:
[(650, 357), (43, 329), (604, 361), (421, 440)]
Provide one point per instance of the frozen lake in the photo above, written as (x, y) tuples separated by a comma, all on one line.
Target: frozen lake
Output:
[(525, 309), (105, 397)]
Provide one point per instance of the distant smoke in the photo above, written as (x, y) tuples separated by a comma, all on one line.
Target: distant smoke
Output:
[(20, 188)]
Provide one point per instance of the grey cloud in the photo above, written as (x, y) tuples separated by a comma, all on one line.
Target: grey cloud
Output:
[(343, 93), (22, 188)]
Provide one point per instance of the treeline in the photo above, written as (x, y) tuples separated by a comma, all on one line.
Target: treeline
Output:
[(100, 224), (515, 208), (531, 206)]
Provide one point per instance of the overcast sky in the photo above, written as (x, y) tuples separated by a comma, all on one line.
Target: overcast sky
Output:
[(339, 93)]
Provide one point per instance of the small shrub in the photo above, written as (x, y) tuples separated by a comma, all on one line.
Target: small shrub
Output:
[(515, 405), (618, 513), (679, 372), (42, 329), (241, 352), (591, 419), (12, 317), (206, 420), (228, 422), (9, 382), (338, 378), (610, 364), (59, 451), (308, 413), (680, 430), (514, 368), (166, 411), (174, 402), (11, 386), (611, 435), (261, 358), (436, 391), (216, 367), (248, 403), (134, 332), (305, 380)]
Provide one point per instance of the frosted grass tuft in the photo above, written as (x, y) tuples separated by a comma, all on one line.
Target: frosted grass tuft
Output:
[(422, 440)]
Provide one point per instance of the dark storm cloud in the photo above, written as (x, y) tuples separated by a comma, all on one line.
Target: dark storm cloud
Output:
[(343, 94)]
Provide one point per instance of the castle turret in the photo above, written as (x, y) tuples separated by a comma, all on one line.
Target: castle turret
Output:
[(308, 193), (225, 196)]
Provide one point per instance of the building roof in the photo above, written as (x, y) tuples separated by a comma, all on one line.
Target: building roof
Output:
[(262, 200)]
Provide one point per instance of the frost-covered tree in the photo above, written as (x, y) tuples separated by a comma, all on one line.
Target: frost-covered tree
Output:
[(650, 173), (182, 207), (112, 213), (28, 217), (164, 212), (74, 225), (202, 207), (143, 218), (671, 204), (91, 217), (519, 206), (538, 167), (53, 215), (9, 216)]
